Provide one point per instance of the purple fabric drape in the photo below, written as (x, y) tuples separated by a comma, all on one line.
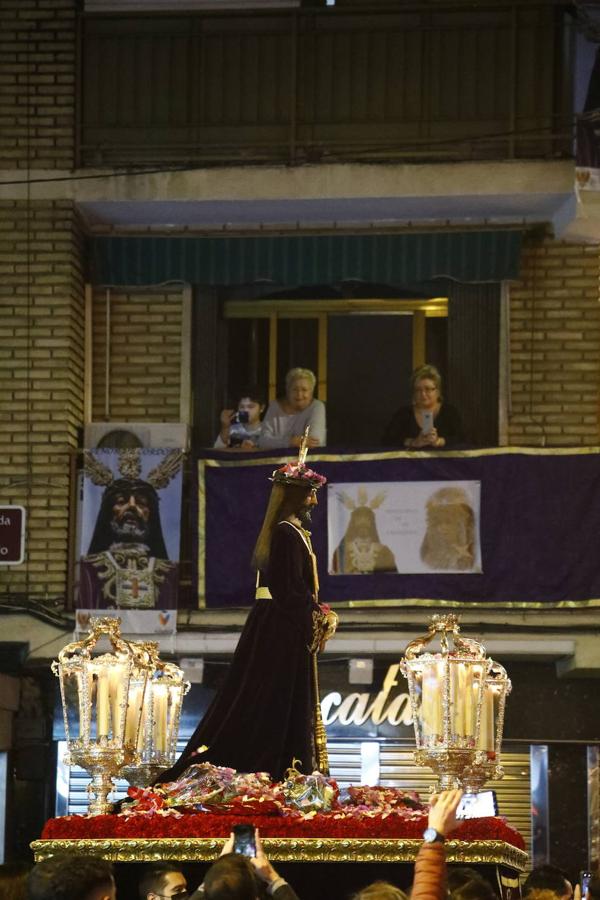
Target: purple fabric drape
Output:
[(540, 518)]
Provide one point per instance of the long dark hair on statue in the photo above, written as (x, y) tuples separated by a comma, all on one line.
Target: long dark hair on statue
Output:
[(285, 500)]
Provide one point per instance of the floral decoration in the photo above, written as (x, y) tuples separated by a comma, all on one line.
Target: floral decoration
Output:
[(298, 472), (209, 799)]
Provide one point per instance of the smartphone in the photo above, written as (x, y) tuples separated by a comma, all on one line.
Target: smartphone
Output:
[(243, 840), (584, 881), (476, 806), (427, 421)]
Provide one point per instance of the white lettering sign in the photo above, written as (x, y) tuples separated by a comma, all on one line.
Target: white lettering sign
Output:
[(357, 708)]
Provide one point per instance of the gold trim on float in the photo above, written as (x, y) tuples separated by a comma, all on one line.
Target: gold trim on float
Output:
[(339, 850)]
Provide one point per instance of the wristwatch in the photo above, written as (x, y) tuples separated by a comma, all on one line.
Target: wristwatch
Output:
[(431, 836)]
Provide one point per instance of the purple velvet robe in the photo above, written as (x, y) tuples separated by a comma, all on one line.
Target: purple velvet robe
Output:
[(262, 717)]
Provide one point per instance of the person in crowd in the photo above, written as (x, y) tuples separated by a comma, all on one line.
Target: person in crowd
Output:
[(459, 875), (548, 878), (430, 423), (66, 876), (474, 889), (13, 881), (546, 894), (235, 877), (430, 865), (267, 714), (241, 427), (381, 890), (287, 418), (163, 880)]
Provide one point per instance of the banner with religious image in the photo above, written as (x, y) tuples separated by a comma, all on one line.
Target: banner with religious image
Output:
[(524, 539), (404, 527), (129, 553)]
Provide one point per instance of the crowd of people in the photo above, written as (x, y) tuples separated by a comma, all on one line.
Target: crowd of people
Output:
[(234, 876), (428, 423)]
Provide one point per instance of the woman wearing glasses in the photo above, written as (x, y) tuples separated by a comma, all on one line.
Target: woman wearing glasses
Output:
[(429, 424)]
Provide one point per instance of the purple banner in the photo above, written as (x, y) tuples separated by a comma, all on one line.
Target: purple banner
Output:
[(540, 509)]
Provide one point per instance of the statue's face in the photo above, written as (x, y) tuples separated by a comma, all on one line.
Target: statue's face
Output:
[(130, 516), (304, 514)]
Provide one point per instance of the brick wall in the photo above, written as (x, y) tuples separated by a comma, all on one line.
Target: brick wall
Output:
[(41, 382), (37, 82), (145, 356), (555, 346)]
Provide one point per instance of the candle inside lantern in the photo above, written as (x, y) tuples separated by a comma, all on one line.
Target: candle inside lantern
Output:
[(461, 698), (486, 727), (160, 701), (102, 702), (136, 693), (117, 683), (431, 699)]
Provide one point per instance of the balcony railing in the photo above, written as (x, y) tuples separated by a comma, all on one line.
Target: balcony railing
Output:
[(451, 82)]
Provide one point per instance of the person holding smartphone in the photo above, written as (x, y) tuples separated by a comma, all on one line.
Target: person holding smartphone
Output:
[(243, 871), (241, 427), (429, 423)]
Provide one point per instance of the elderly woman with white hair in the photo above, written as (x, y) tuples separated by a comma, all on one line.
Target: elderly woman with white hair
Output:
[(287, 417)]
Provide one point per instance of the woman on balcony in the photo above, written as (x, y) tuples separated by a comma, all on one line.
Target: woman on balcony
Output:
[(288, 417), (429, 424)]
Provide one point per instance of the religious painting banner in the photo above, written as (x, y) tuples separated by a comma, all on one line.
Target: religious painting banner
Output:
[(533, 511), (129, 553), (397, 527)]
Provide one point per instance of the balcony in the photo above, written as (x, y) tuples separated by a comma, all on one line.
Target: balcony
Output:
[(335, 84)]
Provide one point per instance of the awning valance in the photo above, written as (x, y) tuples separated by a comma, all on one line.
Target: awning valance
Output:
[(466, 256)]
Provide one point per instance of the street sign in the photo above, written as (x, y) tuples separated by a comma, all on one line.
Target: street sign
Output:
[(12, 535)]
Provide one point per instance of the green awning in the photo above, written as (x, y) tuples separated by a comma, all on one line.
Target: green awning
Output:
[(466, 256)]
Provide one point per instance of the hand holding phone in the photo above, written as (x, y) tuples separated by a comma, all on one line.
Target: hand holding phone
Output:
[(584, 881), (244, 841), (427, 426)]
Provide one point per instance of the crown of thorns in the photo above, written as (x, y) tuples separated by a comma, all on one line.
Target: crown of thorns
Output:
[(298, 472), (130, 466)]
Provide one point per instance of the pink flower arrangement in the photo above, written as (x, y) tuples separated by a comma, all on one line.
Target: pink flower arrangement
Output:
[(297, 472)]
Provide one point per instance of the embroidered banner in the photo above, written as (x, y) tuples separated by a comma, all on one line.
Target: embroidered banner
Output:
[(129, 553)]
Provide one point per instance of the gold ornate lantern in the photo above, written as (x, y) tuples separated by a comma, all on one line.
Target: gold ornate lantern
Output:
[(458, 696), (156, 741), (102, 714)]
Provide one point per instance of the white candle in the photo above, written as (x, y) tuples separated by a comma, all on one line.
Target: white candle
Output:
[(470, 702), (102, 703), (117, 678), (160, 704), (133, 712), (459, 675), (144, 720), (486, 728), (431, 702)]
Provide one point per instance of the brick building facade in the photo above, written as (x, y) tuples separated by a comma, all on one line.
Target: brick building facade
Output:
[(554, 309)]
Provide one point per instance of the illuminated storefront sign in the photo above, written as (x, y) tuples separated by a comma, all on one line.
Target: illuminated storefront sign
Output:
[(364, 709)]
